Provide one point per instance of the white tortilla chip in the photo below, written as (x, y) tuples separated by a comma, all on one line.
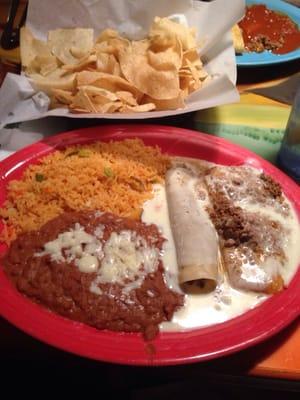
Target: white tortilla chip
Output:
[(64, 43), (46, 84), (31, 47)]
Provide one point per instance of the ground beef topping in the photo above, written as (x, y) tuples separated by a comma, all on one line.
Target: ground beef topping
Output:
[(229, 221), (239, 228), (271, 187), (262, 42), (245, 185)]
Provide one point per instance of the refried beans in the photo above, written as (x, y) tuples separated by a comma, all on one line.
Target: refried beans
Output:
[(95, 268)]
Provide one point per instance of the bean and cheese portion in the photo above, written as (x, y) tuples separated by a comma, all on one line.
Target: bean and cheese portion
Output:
[(96, 268)]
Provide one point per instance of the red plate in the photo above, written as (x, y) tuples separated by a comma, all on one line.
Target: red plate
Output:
[(172, 347)]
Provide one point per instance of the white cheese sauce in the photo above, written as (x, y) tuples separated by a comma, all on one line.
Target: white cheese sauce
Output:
[(155, 211), (290, 243), (224, 302)]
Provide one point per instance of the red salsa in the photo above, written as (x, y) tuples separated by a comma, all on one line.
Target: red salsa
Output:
[(264, 29)]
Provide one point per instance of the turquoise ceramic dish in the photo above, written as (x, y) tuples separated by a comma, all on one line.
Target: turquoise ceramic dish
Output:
[(267, 58)]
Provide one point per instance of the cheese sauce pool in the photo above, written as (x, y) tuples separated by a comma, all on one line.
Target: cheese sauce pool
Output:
[(225, 302)]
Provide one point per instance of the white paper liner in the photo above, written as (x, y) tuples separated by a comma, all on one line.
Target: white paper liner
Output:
[(19, 102)]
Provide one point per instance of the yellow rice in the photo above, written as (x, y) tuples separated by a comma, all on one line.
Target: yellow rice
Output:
[(115, 177)]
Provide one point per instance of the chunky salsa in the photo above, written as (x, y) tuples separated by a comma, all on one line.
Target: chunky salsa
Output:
[(265, 29)]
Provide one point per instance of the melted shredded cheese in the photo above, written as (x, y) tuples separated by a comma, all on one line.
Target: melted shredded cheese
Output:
[(75, 245), (125, 258)]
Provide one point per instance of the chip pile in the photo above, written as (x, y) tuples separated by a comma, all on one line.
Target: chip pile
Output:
[(114, 74)]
